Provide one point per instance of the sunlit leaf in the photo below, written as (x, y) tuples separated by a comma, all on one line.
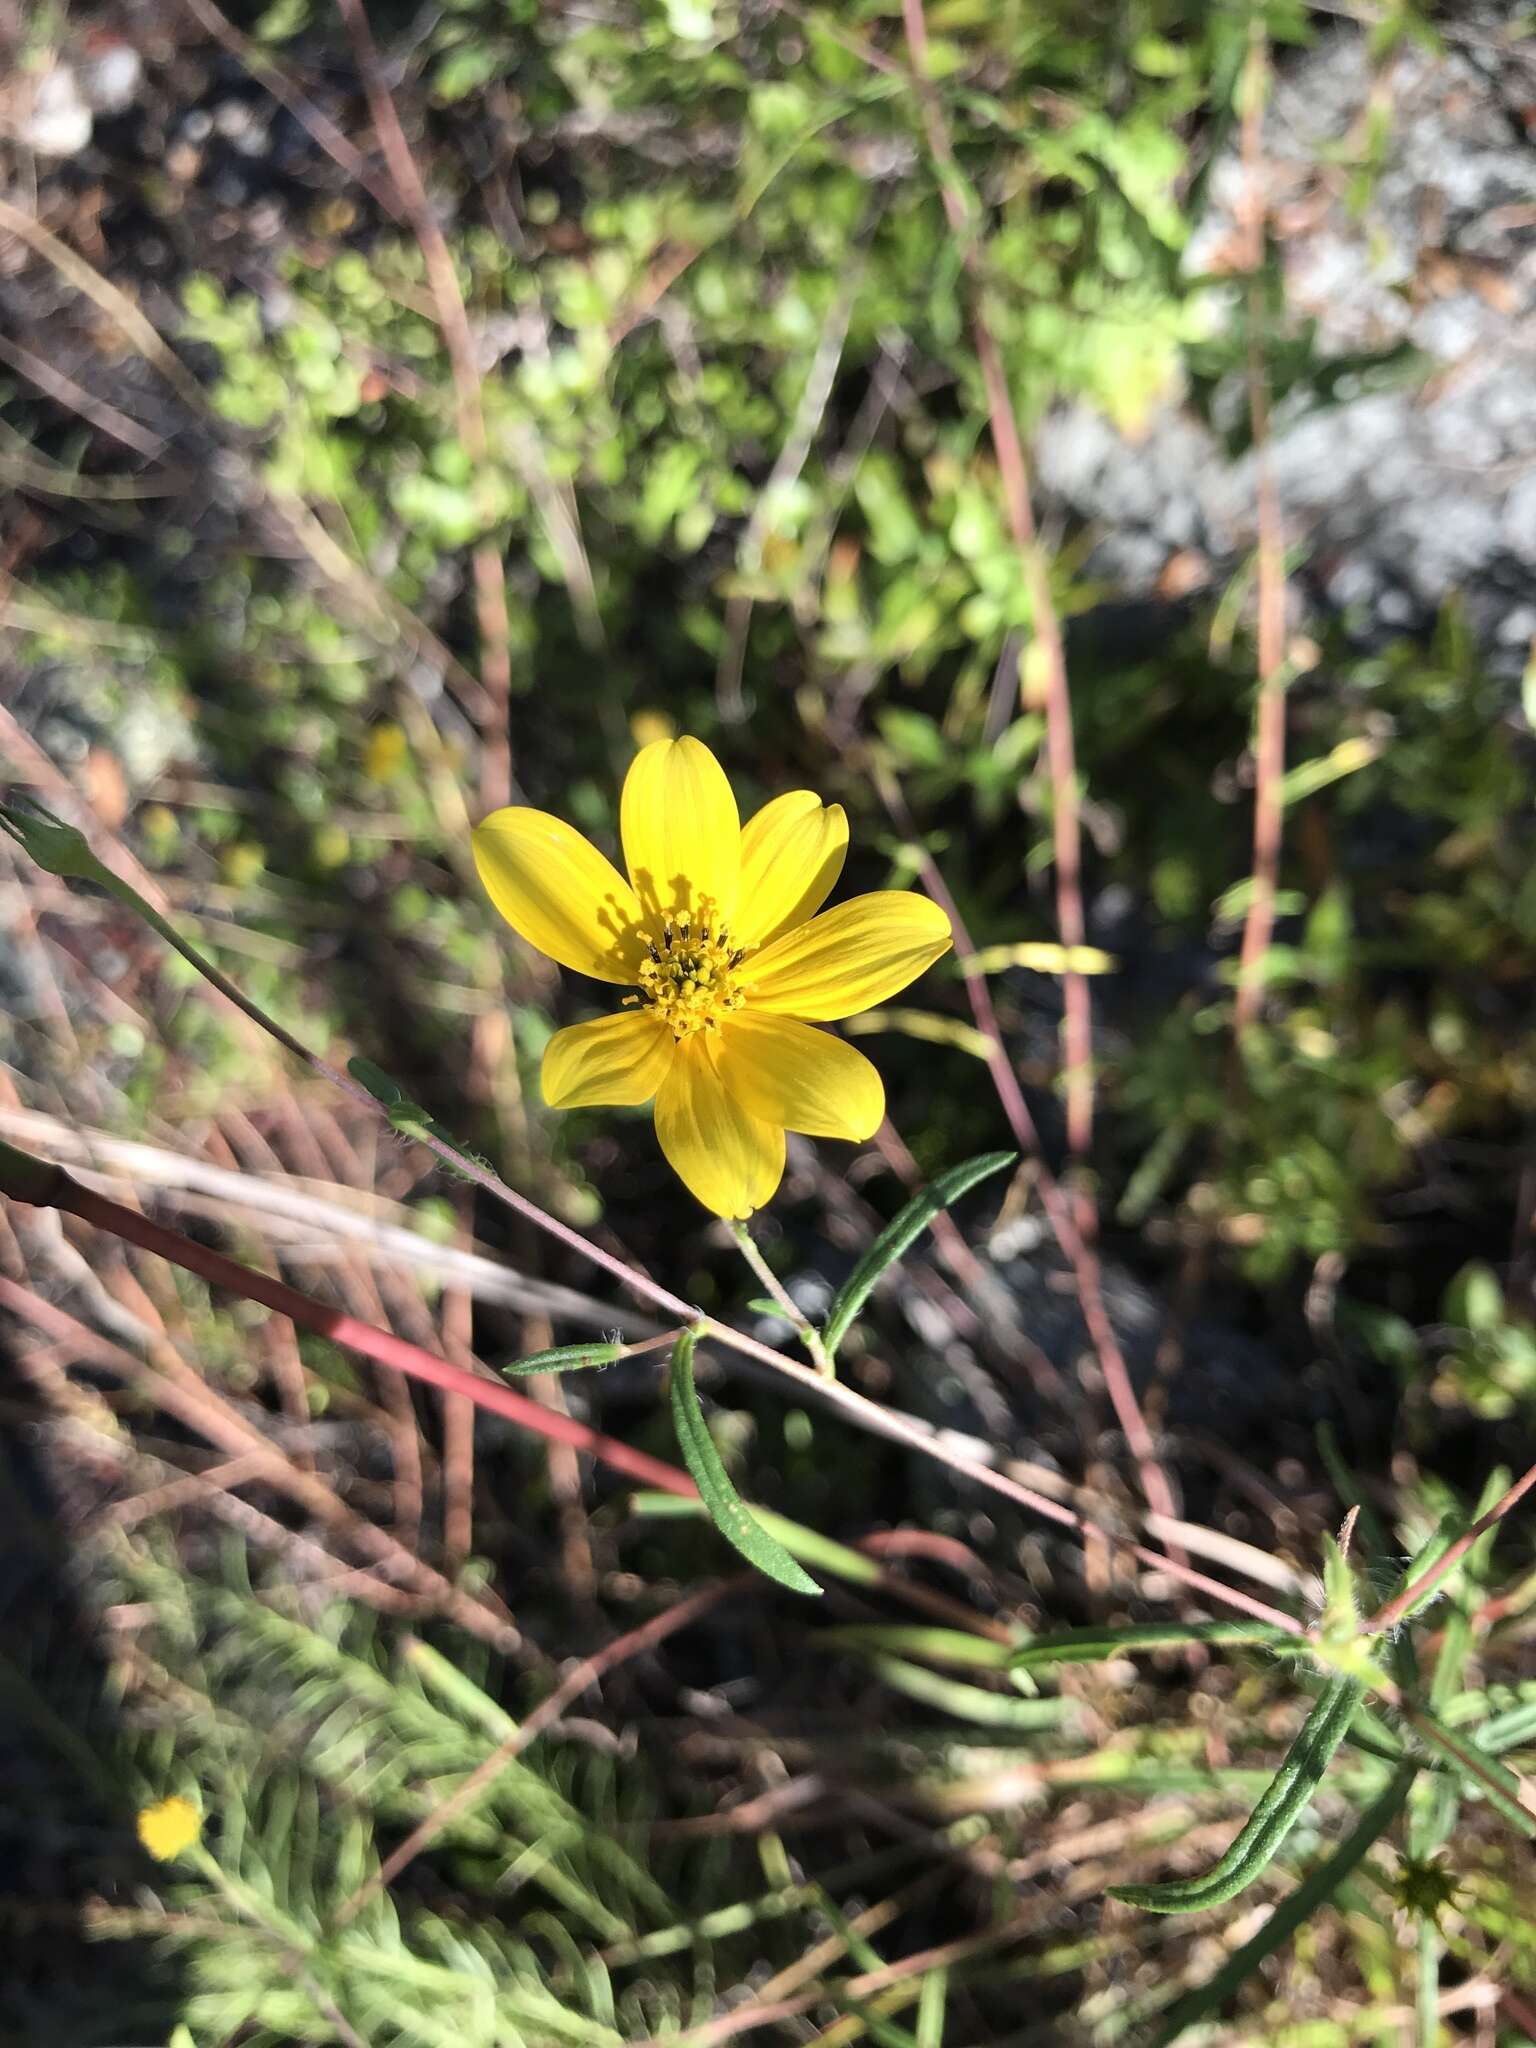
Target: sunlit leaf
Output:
[(725, 1506)]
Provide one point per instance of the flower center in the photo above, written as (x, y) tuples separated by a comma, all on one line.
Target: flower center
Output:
[(690, 979)]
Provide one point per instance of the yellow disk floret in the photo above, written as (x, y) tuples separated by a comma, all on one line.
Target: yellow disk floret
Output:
[(690, 980)]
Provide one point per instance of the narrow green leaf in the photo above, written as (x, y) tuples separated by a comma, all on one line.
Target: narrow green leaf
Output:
[(725, 1506), (564, 1358), (1094, 1645), (1426, 1998), (1505, 1790), (379, 1085), (1313, 1892), (809, 1545), (1277, 1812), (938, 1645), (1341, 1609), (898, 1235), (58, 849), (1510, 1730), (931, 2001), (970, 1702)]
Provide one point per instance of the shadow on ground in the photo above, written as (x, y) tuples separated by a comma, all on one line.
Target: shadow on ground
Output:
[(68, 1850)]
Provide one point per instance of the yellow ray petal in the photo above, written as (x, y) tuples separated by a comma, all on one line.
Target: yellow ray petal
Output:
[(849, 958), (731, 1160), (558, 892), (791, 856), (791, 1074), (618, 1061), (681, 833)]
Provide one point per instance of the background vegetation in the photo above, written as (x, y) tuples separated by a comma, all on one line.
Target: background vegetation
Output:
[(390, 429)]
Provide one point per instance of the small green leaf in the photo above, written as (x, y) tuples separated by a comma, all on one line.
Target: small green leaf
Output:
[(969, 1702), (564, 1358), (1282, 1805), (897, 1236), (58, 849), (1475, 1299), (410, 1119), (1094, 1645), (1512, 1729), (725, 1506), (377, 1082), (938, 1645), (1341, 1611)]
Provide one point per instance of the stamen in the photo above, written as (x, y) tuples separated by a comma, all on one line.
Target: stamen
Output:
[(689, 981)]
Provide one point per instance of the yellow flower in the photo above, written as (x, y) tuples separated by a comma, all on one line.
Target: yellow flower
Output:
[(717, 930), (169, 1828)]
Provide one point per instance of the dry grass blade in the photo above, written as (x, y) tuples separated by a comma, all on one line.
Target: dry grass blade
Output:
[(1269, 742)]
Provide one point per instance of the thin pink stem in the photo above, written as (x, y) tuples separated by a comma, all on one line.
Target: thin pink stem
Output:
[(1269, 737), (1421, 1587), (1061, 748), (1059, 1211), (1076, 1230)]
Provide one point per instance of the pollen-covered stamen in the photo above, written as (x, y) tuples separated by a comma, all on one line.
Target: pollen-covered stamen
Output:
[(690, 979)]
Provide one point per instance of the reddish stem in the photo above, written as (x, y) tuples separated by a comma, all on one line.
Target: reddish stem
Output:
[(489, 571), (383, 1346), (1269, 737), (1060, 743), (1076, 1247)]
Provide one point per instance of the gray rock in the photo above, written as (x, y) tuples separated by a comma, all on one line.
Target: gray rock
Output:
[(1407, 494)]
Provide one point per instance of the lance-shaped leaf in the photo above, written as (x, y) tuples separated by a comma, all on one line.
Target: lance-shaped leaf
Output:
[(1277, 1812), (898, 1235), (725, 1506), (1312, 1893), (564, 1358)]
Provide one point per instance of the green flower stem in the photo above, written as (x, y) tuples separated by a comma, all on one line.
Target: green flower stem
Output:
[(779, 1293)]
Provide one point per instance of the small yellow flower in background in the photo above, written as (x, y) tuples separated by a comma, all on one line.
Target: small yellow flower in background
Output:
[(717, 930), (647, 726), (385, 752), (169, 1827)]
